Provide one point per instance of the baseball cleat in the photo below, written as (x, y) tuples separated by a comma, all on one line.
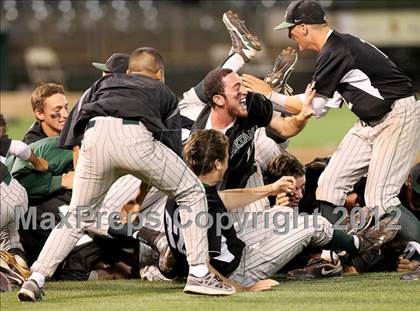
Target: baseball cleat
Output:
[(283, 67), (10, 260), (210, 284), (30, 291), (317, 268), (243, 42), (375, 236), (166, 259)]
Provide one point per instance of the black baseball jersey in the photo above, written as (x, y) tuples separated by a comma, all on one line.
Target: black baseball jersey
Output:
[(135, 98), (364, 76), (225, 250), (241, 139), (4, 149)]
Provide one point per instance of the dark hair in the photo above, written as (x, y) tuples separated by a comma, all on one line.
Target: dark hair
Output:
[(3, 126), (42, 92), (284, 164), (138, 62), (213, 83), (203, 148)]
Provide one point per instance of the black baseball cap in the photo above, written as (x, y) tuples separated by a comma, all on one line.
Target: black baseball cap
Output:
[(117, 63), (415, 176), (303, 12)]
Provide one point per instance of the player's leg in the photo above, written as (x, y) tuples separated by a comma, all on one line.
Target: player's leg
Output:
[(347, 165), (394, 151), (274, 242), (14, 204), (93, 176), (154, 163)]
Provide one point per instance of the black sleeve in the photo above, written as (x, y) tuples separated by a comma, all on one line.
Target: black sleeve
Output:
[(332, 64), (4, 146), (67, 138), (172, 120), (260, 109)]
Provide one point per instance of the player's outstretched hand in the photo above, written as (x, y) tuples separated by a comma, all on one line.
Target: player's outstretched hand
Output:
[(253, 84), (307, 108), (262, 285), (285, 184)]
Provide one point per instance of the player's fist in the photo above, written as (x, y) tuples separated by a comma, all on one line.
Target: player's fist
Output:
[(67, 180), (406, 265), (285, 184), (283, 199), (41, 164)]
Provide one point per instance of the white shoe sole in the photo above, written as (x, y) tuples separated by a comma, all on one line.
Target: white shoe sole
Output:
[(207, 291)]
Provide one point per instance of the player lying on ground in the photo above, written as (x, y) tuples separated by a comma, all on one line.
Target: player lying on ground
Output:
[(258, 251)]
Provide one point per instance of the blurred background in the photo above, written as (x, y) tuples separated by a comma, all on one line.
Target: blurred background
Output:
[(56, 41)]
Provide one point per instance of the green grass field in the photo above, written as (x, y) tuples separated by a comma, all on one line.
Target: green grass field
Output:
[(375, 291)]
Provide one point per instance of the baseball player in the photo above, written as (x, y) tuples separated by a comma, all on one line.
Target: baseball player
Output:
[(259, 251), (384, 141), (245, 46), (139, 136), (14, 199)]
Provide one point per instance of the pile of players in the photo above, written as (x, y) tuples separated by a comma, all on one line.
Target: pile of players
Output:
[(134, 183)]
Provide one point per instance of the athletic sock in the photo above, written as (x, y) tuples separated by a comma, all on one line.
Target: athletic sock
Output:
[(342, 241), (199, 271), (329, 256), (233, 62), (38, 278)]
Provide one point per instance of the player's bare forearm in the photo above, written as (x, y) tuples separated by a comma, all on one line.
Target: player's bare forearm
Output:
[(239, 198)]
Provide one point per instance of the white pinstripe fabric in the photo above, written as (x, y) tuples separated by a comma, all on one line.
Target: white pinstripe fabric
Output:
[(123, 190), (266, 148), (110, 150), (385, 152), (14, 204), (255, 180), (266, 251)]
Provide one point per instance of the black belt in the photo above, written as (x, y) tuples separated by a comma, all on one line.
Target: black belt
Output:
[(92, 123), (374, 122)]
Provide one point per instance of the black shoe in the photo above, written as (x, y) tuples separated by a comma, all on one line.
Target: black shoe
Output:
[(166, 259), (317, 268), (377, 235), (283, 67)]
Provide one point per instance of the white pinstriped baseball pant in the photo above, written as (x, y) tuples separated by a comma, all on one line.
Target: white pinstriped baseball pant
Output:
[(271, 245), (14, 204), (385, 152), (109, 150)]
